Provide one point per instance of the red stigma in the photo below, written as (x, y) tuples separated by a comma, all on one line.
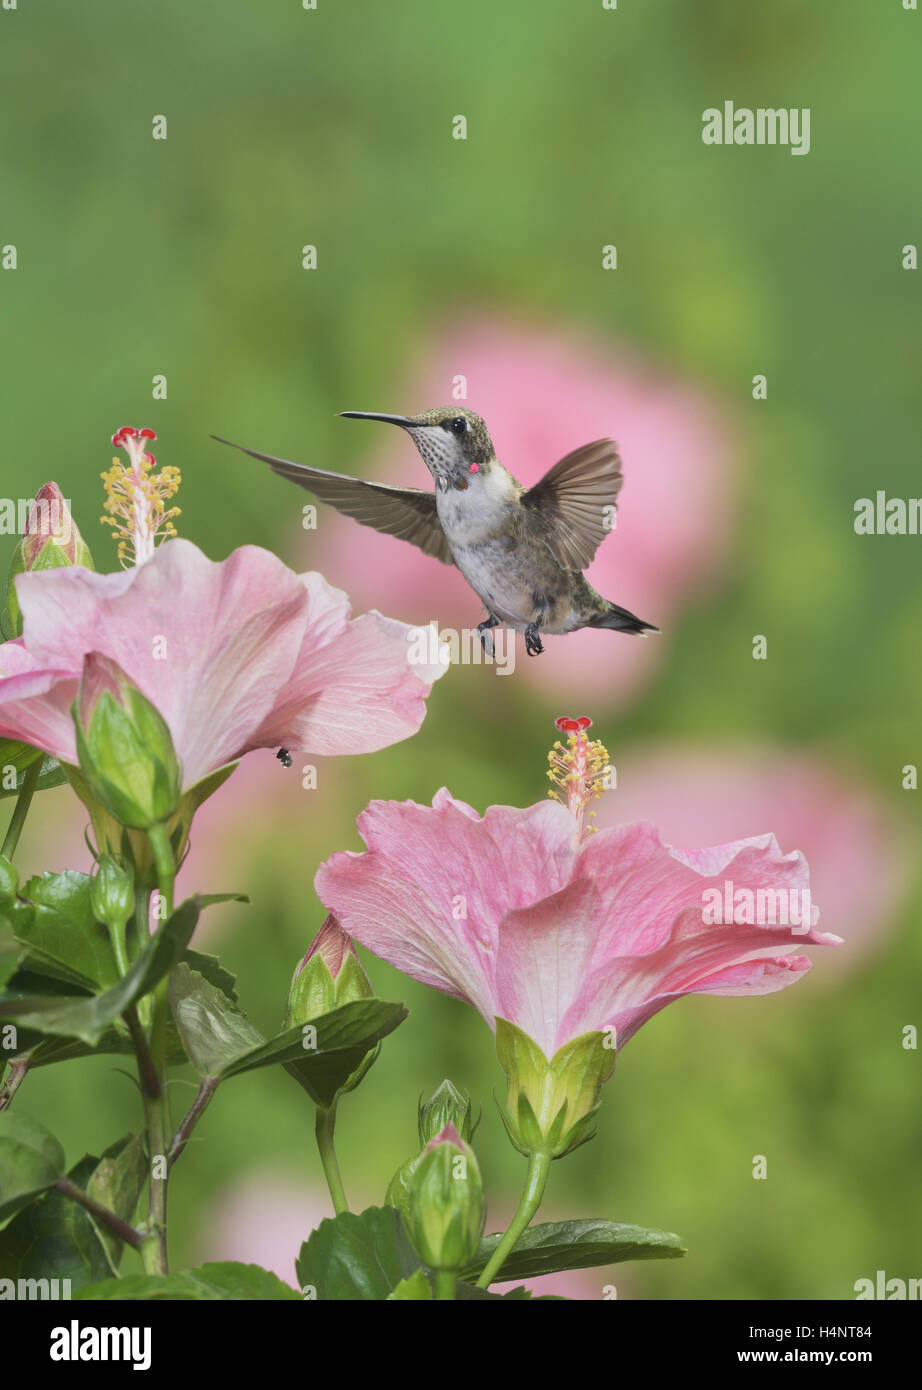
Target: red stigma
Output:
[(129, 432), (573, 726)]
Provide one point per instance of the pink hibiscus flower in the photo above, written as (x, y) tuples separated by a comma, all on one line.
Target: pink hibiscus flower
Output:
[(859, 851), (236, 654), (531, 918), (542, 393)]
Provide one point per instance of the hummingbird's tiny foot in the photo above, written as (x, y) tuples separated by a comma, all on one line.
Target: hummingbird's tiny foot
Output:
[(483, 629), (533, 644), (284, 757)]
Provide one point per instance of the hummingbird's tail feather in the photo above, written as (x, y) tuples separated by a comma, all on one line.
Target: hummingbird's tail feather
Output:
[(620, 620)]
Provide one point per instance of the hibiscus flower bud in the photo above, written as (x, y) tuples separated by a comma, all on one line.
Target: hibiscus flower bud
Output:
[(551, 1105), (447, 1105), (124, 747), (9, 878), (329, 976), (444, 1213), (50, 541), (112, 893)]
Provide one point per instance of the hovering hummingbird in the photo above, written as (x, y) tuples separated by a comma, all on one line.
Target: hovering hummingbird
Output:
[(522, 550)]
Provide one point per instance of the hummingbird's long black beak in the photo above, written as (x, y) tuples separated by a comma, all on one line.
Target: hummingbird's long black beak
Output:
[(401, 420)]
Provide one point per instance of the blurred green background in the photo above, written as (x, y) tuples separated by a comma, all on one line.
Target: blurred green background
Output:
[(332, 127)]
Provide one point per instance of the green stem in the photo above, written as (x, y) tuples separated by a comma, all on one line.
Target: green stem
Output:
[(150, 1080), (141, 920), (164, 863), (116, 1225), (198, 1107), (120, 946), (154, 1245), (323, 1129), (539, 1166), (15, 1078), (445, 1281), (166, 873), (21, 809), (141, 938)]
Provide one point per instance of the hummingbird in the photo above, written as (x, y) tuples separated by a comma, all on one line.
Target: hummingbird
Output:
[(522, 550)]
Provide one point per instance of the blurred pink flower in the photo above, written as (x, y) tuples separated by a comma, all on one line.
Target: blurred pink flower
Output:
[(542, 393), (263, 1219), (560, 934), (235, 655), (859, 852)]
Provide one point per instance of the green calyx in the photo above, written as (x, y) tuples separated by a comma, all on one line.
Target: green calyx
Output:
[(314, 991), (551, 1105)]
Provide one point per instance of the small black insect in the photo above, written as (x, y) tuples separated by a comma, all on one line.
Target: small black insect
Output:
[(284, 757)]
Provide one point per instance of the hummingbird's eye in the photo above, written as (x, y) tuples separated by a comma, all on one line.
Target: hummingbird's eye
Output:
[(458, 425)]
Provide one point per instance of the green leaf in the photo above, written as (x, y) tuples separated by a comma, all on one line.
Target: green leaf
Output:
[(53, 919), (362, 1255), (11, 953), (415, 1289), (88, 1019), (31, 1160), (42, 1050), (213, 971), (558, 1245), (210, 1282), (21, 756), (54, 1238), (341, 1039), (213, 1031), (212, 899), (117, 1182)]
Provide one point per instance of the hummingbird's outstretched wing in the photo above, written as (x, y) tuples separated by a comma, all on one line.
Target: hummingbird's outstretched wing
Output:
[(574, 503), (408, 513)]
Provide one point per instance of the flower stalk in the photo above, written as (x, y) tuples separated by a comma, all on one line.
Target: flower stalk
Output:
[(21, 809), (539, 1166), (324, 1125)]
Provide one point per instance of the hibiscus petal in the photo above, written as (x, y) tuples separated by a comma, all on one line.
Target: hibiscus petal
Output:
[(401, 921), (504, 911), (760, 975), (209, 643), (35, 702), (542, 960), (352, 689)]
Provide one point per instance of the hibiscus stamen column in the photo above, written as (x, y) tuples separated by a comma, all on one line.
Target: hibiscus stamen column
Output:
[(578, 771), (136, 497)]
